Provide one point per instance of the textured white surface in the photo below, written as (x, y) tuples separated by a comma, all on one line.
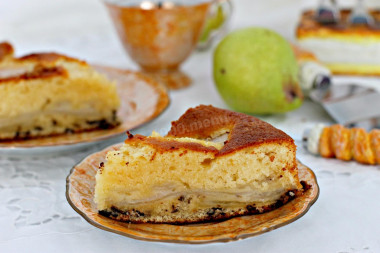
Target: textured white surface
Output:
[(34, 214)]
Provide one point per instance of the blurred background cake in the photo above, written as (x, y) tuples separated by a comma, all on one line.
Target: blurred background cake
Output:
[(48, 93), (348, 43)]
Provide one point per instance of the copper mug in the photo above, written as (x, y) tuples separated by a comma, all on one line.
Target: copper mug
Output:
[(160, 35)]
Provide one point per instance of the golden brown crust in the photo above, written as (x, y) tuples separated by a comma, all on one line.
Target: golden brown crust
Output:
[(245, 131), (310, 26), (45, 64), (48, 58), (39, 72), (6, 50)]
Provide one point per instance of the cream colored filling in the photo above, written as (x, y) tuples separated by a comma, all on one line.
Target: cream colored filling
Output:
[(6, 72), (29, 117), (243, 195), (329, 50), (221, 138), (215, 142), (138, 174)]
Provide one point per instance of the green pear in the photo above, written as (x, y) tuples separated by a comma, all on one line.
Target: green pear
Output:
[(256, 72)]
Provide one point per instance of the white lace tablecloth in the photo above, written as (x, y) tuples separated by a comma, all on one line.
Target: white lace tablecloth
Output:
[(34, 213)]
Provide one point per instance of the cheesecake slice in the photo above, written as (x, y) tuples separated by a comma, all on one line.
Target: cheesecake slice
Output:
[(344, 48), (48, 94), (213, 164)]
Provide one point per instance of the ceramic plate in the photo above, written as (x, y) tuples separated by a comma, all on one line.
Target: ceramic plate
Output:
[(80, 192), (142, 99)]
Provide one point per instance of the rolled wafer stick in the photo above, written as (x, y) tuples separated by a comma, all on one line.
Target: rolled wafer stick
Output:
[(325, 149), (340, 142), (361, 146), (347, 144), (374, 136)]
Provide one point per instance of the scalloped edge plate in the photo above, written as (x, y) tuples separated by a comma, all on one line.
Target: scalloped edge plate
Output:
[(80, 185)]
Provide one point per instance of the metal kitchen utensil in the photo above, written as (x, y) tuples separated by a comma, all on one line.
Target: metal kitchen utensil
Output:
[(351, 105)]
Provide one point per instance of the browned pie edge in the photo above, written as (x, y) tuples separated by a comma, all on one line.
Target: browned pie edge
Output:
[(244, 130)]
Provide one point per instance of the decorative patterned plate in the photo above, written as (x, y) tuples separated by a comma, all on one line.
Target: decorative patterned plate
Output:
[(142, 99), (80, 190)]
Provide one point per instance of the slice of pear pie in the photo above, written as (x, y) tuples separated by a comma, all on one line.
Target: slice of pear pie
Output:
[(213, 164)]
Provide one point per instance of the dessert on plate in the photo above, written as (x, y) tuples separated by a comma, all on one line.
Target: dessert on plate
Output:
[(213, 164), (345, 48), (48, 93)]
